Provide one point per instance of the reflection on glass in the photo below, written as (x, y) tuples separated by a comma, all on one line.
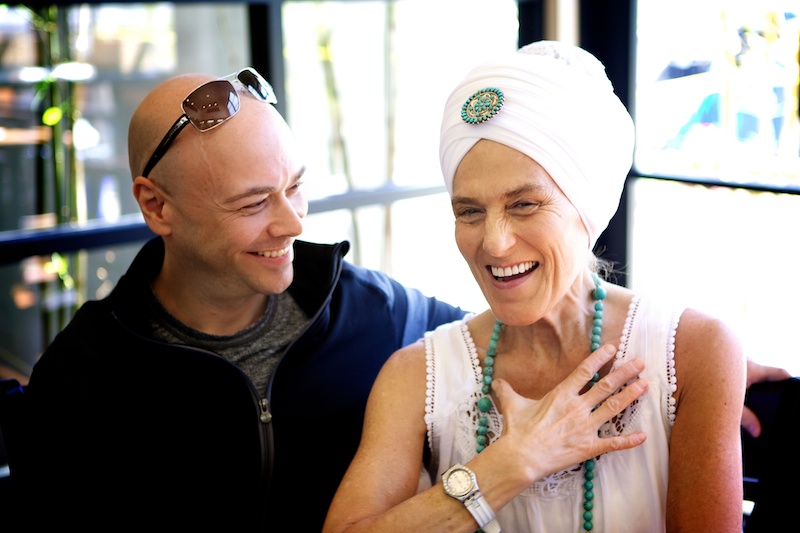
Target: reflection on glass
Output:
[(716, 90)]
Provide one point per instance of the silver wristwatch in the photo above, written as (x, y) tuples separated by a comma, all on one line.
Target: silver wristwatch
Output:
[(460, 483)]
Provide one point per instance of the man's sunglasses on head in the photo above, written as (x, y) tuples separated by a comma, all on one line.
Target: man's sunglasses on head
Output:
[(211, 104)]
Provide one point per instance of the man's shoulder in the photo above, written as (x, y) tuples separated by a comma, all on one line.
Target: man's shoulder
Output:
[(367, 277)]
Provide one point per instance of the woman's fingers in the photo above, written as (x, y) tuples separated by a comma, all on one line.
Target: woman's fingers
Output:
[(605, 389), (589, 367), (609, 396), (504, 395), (562, 427), (615, 444)]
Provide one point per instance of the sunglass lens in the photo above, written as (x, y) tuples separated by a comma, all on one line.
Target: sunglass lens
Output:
[(211, 104), (257, 85)]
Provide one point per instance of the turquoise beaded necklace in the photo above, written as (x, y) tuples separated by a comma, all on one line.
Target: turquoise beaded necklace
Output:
[(485, 403)]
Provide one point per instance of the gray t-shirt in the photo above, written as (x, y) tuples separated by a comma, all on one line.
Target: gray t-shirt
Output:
[(256, 349)]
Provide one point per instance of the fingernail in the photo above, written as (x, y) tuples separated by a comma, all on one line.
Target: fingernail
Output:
[(609, 349)]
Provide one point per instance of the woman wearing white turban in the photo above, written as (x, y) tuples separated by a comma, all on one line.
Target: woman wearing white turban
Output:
[(572, 404)]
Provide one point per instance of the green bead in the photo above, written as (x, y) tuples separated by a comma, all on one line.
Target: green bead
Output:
[(588, 475), (599, 293), (483, 420), (587, 526), (488, 371), (480, 448), (487, 380), (589, 495), (589, 464), (488, 361), (595, 346), (588, 516), (485, 389), (588, 506), (588, 485), (484, 404), (598, 306), (481, 440)]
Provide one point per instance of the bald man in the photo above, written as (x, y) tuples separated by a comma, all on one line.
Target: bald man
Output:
[(223, 382)]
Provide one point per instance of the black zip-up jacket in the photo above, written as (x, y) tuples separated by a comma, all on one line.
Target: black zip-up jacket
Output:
[(130, 433)]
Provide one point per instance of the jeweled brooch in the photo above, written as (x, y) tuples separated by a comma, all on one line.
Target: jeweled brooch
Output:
[(482, 105)]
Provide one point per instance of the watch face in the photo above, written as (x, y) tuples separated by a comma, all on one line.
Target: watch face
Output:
[(459, 482)]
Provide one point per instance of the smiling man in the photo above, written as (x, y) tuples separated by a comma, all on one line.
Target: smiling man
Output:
[(222, 383)]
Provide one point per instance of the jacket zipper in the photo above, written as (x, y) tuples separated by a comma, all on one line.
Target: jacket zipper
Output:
[(266, 415)]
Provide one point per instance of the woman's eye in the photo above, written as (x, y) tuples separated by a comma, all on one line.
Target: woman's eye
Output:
[(525, 206), (466, 212), (256, 205)]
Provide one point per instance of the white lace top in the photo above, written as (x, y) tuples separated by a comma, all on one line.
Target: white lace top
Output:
[(630, 486)]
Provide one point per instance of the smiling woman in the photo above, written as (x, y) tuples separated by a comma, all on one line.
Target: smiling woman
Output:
[(537, 406)]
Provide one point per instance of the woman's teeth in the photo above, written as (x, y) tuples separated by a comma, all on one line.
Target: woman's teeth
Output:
[(513, 270)]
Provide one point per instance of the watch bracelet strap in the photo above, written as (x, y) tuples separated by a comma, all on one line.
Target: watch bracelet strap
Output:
[(480, 510)]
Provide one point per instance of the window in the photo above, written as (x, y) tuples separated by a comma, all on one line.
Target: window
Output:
[(716, 112), (70, 78), (366, 83)]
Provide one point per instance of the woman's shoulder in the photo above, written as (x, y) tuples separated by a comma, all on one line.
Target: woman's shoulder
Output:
[(699, 330), (707, 348)]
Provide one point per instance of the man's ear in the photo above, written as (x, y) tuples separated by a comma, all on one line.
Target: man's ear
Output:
[(151, 200)]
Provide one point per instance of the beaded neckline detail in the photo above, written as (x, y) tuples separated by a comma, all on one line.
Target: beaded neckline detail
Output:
[(484, 403)]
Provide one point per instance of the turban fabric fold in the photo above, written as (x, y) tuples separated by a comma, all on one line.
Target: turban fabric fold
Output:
[(559, 108)]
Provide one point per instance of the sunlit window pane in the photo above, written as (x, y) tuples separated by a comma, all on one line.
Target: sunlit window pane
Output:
[(366, 84), (730, 252)]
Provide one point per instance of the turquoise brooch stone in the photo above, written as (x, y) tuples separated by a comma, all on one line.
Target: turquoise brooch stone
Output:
[(482, 105)]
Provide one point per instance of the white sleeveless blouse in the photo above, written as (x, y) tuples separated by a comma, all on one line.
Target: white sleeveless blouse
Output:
[(630, 486)]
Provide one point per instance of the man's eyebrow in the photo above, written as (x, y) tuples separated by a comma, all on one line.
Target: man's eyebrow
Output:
[(252, 191), (256, 191)]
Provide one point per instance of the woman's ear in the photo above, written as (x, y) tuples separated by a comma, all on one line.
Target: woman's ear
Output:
[(152, 200)]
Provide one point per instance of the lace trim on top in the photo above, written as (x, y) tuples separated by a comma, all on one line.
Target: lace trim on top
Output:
[(430, 367), (672, 379)]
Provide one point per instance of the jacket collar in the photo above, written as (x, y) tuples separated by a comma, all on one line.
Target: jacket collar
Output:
[(317, 268)]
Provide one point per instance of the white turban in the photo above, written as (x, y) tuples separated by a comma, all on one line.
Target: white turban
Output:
[(559, 109)]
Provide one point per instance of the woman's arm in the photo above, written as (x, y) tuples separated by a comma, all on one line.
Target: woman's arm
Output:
[(705, 464), (378, 492)]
